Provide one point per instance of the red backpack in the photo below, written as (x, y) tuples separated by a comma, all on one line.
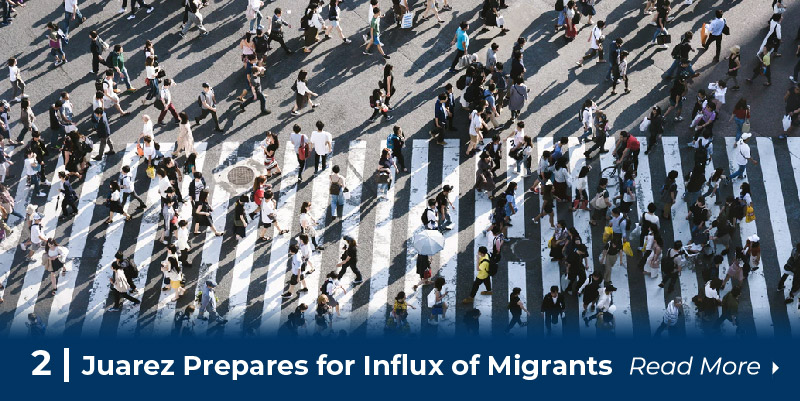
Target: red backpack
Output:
[(303, 151)]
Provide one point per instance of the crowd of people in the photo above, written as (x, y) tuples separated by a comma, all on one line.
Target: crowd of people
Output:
[(481, 91)]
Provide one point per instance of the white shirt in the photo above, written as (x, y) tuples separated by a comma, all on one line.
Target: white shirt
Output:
[(29, 165), (316, 20), (653, 219), (475, 123), (719, 94), (604, 302), (147, 129), (115, 196), (306, 220), (320, 140), (296, 139), (149, 150), (742, 153), (519, 137), (70, 5), (594, 40), (267, 208), (710, 292), (588, 117), (296, 263), (127, 184), (150, 71), (163, 184), (36, 233), (305, 251), (301, 88), (13, 73), (183, 238), (580, 183)]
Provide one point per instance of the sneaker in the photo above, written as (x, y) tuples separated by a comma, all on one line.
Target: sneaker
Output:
[(57, 63), (386, 57), (679, 118), (295, 113), (41, 194), (791, 78), (346, 41), (150, 10), (286, 294), (303, 290), (17, 99), (314, 105), (121, 11), (389, 118), (366, 53), (358, 281), (132, 16), (113, 309)]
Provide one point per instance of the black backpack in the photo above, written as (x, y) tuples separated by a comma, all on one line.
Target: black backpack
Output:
[(472, 93), (98, 84), (701, 153), (461, 83), (493, 267), (324, 288), (110, 59)]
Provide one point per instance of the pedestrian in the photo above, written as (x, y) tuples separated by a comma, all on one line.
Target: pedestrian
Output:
[(166, 100), (669, 193), (297, 265), (195, 18), (384, 171), (440, 119), (662, 11), (517, 97), (791, 267), (773, 38), (671, 317), (676, 94), (15, 78), (269, 216), (763, 67), (716, 28), (734, 64), (461, 41), (333, 17), (315, 25), (483, 276), (395, 142), (69, 198), (253, 14), (103, 131), (349, 259), (553, 306), (302, 93), (55, 43), (208, 302), (374, 34), (742, 156), (622, 73), (114, 203), (595, 40), (740, 114), (151, 78), (672, 266), (276, 30), (208, 105), (110, 97)]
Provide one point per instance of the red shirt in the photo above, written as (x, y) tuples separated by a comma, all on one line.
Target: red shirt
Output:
[(632, 143), (258, 196)]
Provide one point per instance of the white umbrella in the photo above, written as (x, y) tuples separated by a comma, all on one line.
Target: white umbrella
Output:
[(428, 242)]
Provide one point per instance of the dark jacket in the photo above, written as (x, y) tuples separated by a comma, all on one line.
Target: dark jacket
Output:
[(549, 307), (101, 126)]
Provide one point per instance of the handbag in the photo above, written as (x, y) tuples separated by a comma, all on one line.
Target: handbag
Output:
[(750, 214), (407, 21), (644, 125), (626, 247), (500, 21), (159, 103), (151, 172), (746, 126), (427, 273), (787, 122), (139, 149)]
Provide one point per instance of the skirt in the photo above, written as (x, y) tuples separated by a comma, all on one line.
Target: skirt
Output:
[(115, 207), (310, 36), (301, 100), (560, 190)]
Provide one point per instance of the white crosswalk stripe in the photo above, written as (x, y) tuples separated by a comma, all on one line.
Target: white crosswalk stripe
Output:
[(417, 202), (448, 257)]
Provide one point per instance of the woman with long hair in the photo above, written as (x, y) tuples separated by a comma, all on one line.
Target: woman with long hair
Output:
[(53, 258), (202, 213), (302, 93), (185, 138)]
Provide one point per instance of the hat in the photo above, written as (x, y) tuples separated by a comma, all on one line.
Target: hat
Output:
[(753, 238), (31, 209), (746, 136), (36, 216), (211, 283)]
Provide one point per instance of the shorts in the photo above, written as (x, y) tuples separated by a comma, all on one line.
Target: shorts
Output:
[(262, 224), (296, 279), (34, 246), (672, 103), (437, 309), (376, 40), (334, 23), (547, 207), (473, 139), (55, 52), (174, 283)]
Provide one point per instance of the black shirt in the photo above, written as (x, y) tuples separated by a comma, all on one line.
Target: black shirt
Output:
[(678, 88)]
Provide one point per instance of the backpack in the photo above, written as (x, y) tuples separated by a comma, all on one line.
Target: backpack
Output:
[(424, 217), (701, 153), (493, 267), (98, 84), (110, 59), (471, 94), (200, 100), (676, 52), (324, 288), (580, 116), (461, 83)]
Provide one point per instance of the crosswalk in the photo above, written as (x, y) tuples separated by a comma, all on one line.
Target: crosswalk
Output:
[(252, 274)]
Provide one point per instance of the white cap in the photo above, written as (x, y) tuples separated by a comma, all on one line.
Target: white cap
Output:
[(753, 238), (746, 135)]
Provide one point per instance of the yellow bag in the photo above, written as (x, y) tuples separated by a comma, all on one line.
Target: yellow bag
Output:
[(550, 243), (750, 214), (151, 172), (608, 232), (626, 247)]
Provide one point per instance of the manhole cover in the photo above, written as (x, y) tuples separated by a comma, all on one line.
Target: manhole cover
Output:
[(241, 175)]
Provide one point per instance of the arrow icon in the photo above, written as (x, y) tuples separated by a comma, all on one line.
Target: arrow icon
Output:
[(774, 368)]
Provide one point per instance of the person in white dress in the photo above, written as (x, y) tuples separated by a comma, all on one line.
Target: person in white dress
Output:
[(185, 138), (653, 243), (308, 224)]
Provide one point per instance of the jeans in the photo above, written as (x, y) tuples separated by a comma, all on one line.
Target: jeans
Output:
[(123, 73), (526, 161), (444, 220), (256, 21), (738, 172), (68, 16), (586, 133), (35, 182), (691, 197), (550, 318), (675, 68), (153, 89), (515, 319), (739, 123), (336, 201), (658, 32)]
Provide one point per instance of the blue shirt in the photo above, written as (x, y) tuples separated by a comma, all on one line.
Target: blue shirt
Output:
[(489, 98), (716, 26), (462, 40)]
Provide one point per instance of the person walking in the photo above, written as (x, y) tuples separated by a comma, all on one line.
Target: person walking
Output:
[(166, 99), (734, 64), (672, 267), (336, 191), (671, 317), (297, 265), (596, 38), (69, 199), (126, 183), (483, 276), (461, 40), (321, 144), (276, 30), (208, 105), (742, 156), (302, 93), (114, 203), (71, 13), (716, 28), (375, 34), (516, 307), (208, 302), (349, 259), (120, 285), (553, 306), (103, 130), (15, 78), (195, 18)]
